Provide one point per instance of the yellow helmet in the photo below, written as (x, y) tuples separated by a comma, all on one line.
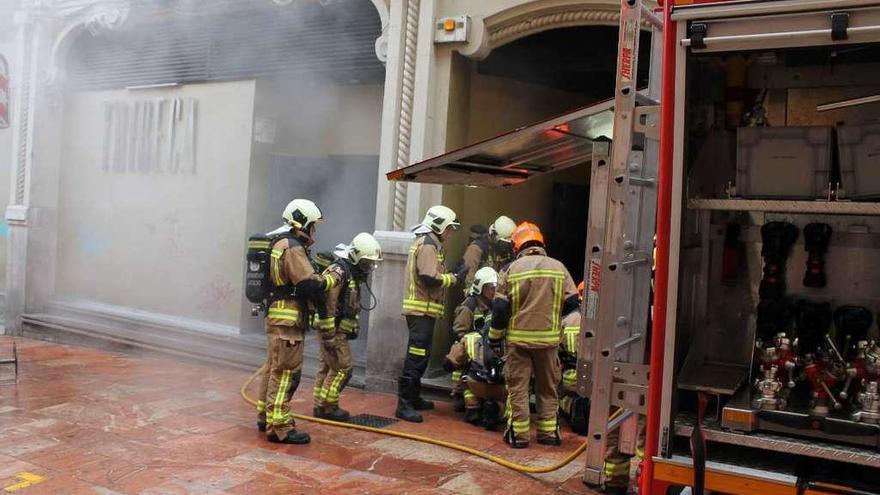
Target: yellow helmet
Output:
[(483, 276), (502, 228), (364, 247), (302, 213)]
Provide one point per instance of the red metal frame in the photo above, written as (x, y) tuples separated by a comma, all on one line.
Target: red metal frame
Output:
[(661, 274)]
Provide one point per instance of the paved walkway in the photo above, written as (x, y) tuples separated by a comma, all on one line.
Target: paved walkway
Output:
[(87, 421)]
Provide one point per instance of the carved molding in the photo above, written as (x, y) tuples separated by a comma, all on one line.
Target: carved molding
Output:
[(528, 24), (410, 31)]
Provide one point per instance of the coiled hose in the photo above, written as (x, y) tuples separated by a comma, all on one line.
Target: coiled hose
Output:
[(433, 441)]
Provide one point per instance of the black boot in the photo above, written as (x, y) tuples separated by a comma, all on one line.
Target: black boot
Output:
[(510, 439), (405, 410), (333, 413), (554, 441), (293, 437), (418, 403), (458, 404), (491, 415), (473, 416), (261, 425)]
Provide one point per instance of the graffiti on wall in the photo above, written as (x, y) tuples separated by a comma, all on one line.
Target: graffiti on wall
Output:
[(150, 136)]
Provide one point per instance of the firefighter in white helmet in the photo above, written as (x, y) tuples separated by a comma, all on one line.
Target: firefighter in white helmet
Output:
[(300, 291), (471, 316), (493, 249), (423, 302), (345, 276)]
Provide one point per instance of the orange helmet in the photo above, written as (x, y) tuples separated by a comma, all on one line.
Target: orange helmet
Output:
[(524, 233), (581, 288)]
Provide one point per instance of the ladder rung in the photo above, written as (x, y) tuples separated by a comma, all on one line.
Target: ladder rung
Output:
[(627, 342), (651, 17), (645, 100), (642, 182)]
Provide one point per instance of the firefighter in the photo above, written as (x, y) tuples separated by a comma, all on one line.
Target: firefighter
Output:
[(483, 378), (345, 275), (471, 316), (572, 406), (492, 249), (532, 295), (299, 290), (426, 284)]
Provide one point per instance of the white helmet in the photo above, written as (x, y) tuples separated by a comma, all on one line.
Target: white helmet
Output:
[(301, 214), (502, 228), (437, 219), (364, 247), (485, 275)]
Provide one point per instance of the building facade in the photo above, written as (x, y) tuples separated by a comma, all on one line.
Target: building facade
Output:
[(148, 139)]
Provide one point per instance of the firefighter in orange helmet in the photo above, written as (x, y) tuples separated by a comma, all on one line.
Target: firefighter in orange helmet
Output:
[(532, 295)]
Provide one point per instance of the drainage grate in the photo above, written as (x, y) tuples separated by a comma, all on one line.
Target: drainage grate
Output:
[(373, 421)]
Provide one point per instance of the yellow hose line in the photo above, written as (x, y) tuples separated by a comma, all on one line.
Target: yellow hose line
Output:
[(433, 441)]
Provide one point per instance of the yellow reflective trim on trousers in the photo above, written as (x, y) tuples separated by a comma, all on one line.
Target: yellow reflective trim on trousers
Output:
[(261, 406), (325, 323), (278, 416), (333, 390), (348, 325), (569, 377), (456, 376), (546, 425), (520, 426), (469, 395), (418, 351), (614, 469), (317, 391)]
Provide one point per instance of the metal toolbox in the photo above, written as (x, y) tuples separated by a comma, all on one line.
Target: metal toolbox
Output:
[(783, 162), (859, 152)]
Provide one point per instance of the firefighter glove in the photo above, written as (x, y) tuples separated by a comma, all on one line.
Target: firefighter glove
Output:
[(461, 273)]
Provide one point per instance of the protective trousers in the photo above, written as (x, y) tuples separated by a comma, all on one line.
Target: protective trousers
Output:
[(418, 352), (617, 464), (334, 371), (264, 379), (520, 364), (478, 391), (285, 352)]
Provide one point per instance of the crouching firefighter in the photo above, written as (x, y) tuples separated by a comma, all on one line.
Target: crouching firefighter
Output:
[(423, 302), (281, 275), (532, 295), (344, 278), (472, 315), (483, 378), (571, 405)]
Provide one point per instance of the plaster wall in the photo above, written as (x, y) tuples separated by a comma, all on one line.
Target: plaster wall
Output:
[(166, 243)]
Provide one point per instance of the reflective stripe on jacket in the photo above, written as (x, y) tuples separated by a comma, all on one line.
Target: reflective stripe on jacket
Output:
[(535, 286), (425, 260), (469, 313), (345, 319)]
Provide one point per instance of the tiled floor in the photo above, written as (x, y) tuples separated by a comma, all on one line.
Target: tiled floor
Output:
[(87, 421)]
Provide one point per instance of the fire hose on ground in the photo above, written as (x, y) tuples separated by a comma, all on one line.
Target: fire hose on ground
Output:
[(433, 441)]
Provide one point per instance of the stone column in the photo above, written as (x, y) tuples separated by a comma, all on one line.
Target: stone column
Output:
[(34, 188)]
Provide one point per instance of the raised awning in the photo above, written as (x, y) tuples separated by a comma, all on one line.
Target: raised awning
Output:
[(517, 156)]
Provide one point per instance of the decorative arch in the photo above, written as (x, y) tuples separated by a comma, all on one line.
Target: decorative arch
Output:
[(537, 16)]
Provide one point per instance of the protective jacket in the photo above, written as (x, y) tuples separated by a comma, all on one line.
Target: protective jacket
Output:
[(343, 298), (474, 354), (290, 266), (471, 315), (426, 280), (568, 352), (483, 252), (533, 288)]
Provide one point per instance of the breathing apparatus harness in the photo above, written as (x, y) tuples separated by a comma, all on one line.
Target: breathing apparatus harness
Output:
[(352, 272)]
